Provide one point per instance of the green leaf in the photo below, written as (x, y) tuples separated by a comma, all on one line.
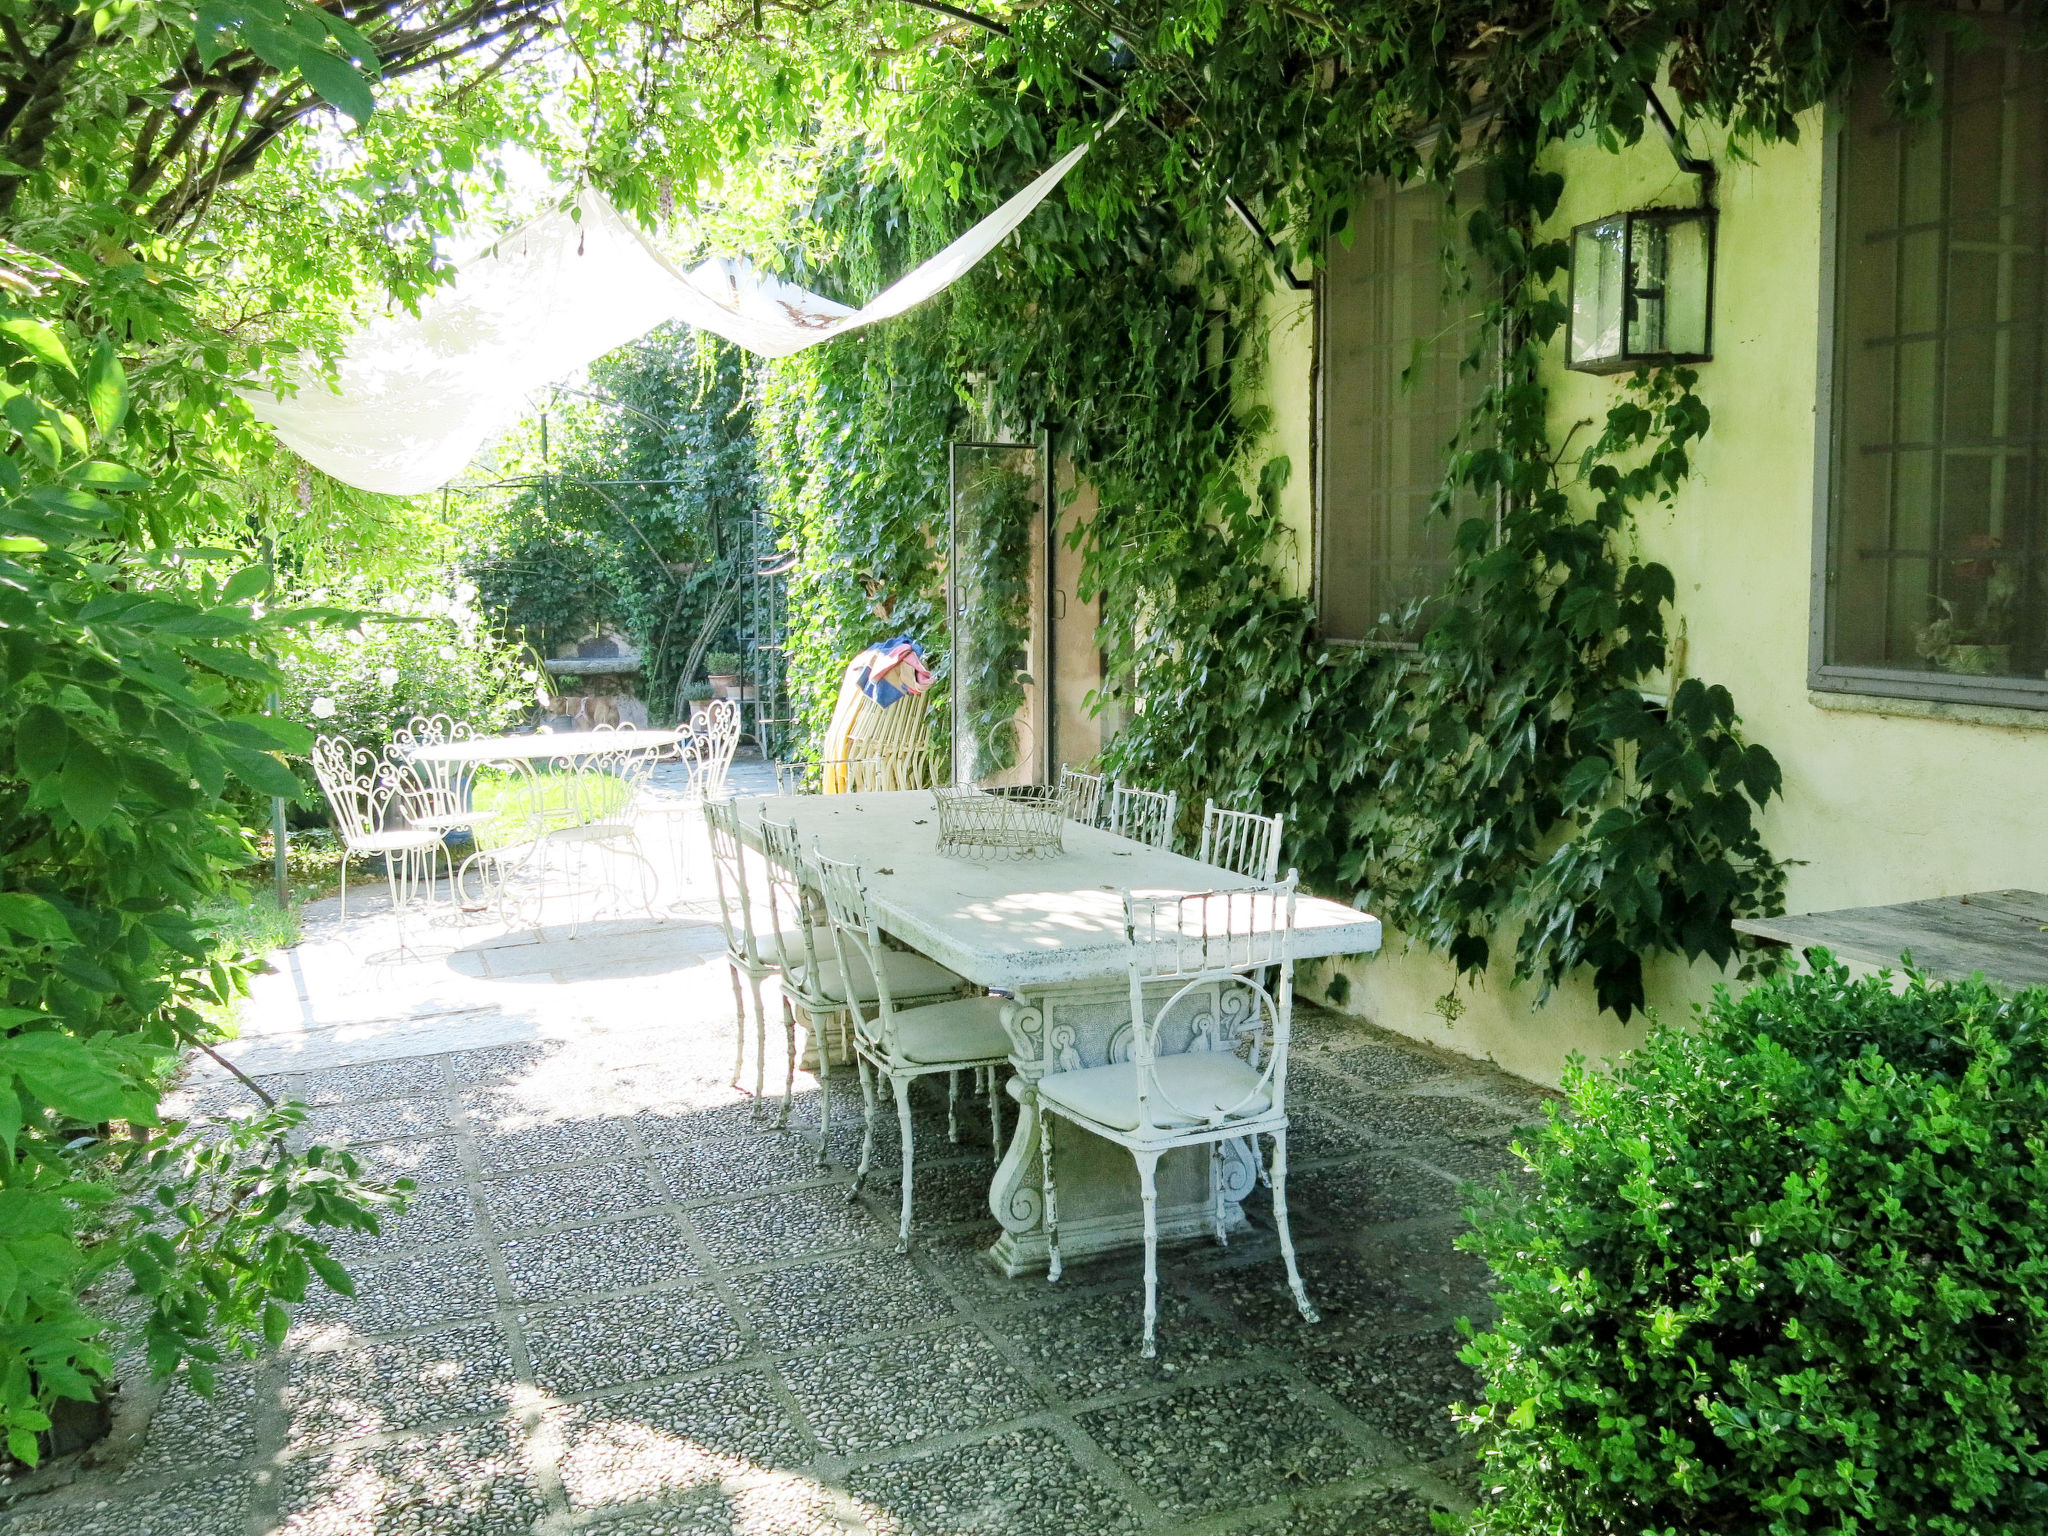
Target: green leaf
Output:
[(65, 1073), (337, 1279), (89, 785), (40, 742), (106, 388), (261, 772), (250, 581), (42, 342), (32, 918), (338, 82)]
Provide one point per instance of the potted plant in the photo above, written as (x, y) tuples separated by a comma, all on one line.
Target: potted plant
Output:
[(1969, 648), (723, 668)]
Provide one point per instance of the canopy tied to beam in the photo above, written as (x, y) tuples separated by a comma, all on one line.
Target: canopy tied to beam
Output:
[(416, 396)]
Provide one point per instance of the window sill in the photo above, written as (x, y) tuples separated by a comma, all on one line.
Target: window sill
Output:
[(2001, 715)]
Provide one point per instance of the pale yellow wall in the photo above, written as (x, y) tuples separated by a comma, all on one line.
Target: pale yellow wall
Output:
[(1879, 806), (1288, 390)]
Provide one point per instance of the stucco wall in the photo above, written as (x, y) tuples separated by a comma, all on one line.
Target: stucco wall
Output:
[(1878, 806)]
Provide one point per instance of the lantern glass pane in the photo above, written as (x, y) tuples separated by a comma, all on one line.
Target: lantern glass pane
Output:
[(1668, 257), (1597, 291)]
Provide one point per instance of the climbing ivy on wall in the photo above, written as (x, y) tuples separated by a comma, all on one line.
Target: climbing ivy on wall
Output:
[(1507, 786)]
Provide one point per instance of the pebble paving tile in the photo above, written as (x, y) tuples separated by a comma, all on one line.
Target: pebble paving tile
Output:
[(623, 1305), (1203, 1449), (1024, 1483), (433, 1286), (657, 1442), (458, 1481), (1401, 1387), (783, 1226), (609, 1343), (215, 1506), (358, 1388), (189, 1429), (611, 1256), (898, 1390), (569, 1196)]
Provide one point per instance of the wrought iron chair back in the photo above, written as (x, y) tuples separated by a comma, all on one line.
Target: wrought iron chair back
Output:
[(800, 777), (366, 792), (444, 783), (1143, 815), (1230, 957), (1243, 842), (856, 938), (1080, 796), (729, 871), (790, 904), (716, 729)]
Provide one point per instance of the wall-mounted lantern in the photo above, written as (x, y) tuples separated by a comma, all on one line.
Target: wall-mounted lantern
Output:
[(1642, 290)]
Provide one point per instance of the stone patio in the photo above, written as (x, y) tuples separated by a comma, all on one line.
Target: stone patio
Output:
[(620, 1305)]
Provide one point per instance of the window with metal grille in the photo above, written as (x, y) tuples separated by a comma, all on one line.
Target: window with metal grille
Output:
[(1935, 578), (1393, 331)]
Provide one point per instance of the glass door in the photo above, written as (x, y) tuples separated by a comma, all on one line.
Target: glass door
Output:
[(997, 613)]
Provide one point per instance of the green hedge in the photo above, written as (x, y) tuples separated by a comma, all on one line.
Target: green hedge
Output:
[(1784, 1274)]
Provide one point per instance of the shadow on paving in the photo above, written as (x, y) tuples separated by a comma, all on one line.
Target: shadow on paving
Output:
[(621, 1304)]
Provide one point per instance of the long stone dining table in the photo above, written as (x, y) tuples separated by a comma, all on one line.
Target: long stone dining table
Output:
[(1048, 932)]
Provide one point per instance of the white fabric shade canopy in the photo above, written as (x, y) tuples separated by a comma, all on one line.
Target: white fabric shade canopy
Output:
[(416, 397)]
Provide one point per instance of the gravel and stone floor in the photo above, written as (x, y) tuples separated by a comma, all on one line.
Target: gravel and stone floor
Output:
[(620, 1305)]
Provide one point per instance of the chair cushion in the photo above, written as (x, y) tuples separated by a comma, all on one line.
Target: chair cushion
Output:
[(909, 976), (1206, 1083), (963, 1029)]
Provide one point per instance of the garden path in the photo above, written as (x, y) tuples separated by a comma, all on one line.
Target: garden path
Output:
[(620, 1306)]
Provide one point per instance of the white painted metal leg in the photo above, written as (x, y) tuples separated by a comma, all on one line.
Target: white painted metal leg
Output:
[(739, 1026), (1148, 1191), (953, 1108), (789, 1068), (902, 1087), (1216, 1193), (1279, 1176), (823, 1046), (1052, 1199), (760, 1044), (867, 1132)]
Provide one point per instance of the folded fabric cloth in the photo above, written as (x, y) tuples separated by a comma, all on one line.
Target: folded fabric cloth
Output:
[(875, 667)]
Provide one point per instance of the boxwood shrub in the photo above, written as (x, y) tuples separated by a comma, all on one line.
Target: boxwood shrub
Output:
[(1786, 1272)]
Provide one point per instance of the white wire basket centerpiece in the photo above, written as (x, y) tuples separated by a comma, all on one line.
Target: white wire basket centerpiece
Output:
[(1012, 823)]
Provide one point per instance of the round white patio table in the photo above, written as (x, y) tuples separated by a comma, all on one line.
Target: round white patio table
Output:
[(1049, 932), (538, 745)]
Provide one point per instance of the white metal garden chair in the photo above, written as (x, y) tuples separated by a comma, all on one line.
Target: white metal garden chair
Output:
[(799, 777), (960, 1034), (1194, 1076), (1080, 796), (1243, 842), (753, 948), (813, 983), (1143, 815), (375, 802)]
